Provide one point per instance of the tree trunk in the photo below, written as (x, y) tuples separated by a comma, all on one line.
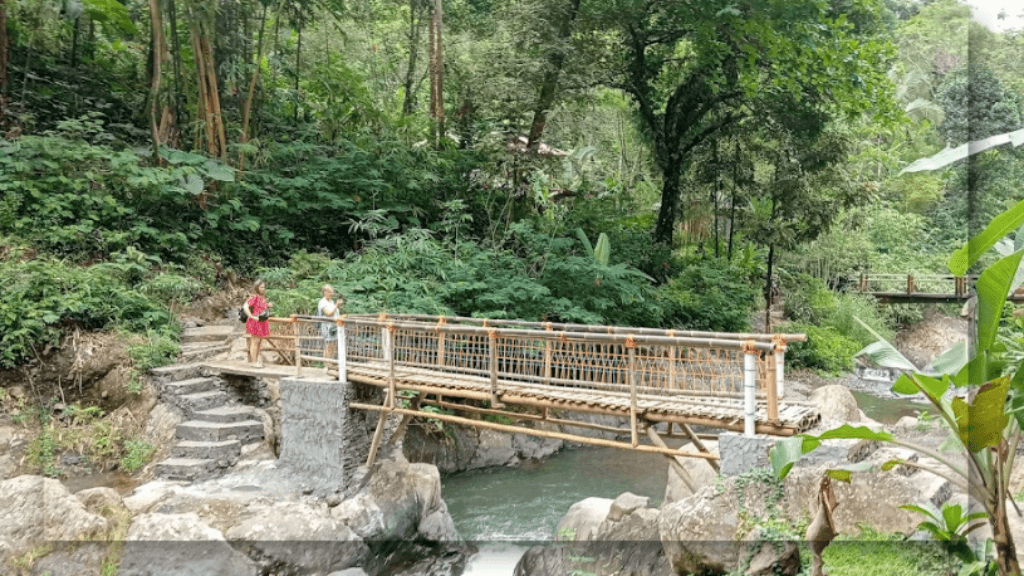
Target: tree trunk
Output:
[(556, 59), (298, 68), (157, 44), (247, 109), (414, 44), (714, 200), (670, 190), (769, 292), (74, 42), (213, 93), (4, 55), (437, 73), (179, 88)]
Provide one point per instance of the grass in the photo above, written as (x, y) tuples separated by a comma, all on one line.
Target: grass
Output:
[(872, 553)]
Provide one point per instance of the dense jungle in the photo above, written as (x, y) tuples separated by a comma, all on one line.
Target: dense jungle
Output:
[(725, 166)]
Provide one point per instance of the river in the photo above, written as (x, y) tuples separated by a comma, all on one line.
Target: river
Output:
[(507, 510)]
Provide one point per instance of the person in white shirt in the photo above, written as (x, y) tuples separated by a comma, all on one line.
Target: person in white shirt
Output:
[(330, 308)]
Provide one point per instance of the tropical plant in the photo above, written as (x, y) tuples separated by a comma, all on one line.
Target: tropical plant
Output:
[(986, 428)]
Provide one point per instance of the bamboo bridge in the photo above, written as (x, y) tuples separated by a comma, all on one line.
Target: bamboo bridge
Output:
[(921, 288), (539, 371)]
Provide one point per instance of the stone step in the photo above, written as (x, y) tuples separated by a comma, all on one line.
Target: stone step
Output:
[(190, 386), (176, 372), (227, 450), (209, 334), (200, 354), (245, 431), (186, 468), (225, 414), (200, 401)]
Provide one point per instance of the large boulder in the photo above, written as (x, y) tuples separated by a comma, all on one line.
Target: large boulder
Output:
[(299, 536), (705, 531), (180, 545), (699, 471), (100, 500), (37, 510), (836, 404), (399, 501), (626, 541), (582, 520)]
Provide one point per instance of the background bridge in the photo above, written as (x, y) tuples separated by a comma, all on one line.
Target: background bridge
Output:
[(920, 288), (538, 371)]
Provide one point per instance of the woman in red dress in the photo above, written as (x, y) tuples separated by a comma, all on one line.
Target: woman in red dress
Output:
[(255, 306)]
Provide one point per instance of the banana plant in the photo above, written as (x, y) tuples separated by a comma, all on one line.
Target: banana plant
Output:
[(601, 251), (985, 424)]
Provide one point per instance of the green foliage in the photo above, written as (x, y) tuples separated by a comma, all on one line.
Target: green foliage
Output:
[(709, 294), (950, 526), (825, 349), (139, 453), (38, 298)]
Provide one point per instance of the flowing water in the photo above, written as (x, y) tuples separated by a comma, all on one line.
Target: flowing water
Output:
[(503, 510), (506, 510)]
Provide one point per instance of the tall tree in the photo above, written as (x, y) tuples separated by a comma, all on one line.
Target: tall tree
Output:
[(437, 72), (694, 68), (4, 52), (556, 59)]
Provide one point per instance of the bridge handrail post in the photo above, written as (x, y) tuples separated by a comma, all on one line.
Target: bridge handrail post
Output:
[(388, 341), (342, 351), (492, 342), (749, 388), (632, 391), (298, 348)]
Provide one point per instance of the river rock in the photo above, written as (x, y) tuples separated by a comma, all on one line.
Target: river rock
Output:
[(836, 404), (299, 536), (700, 472), (72, 559), (8, 466), (494, 449), (180, 545), (145, 497), (529, 447), (101, 499), (764, 557), (625, 504), (37, 510), (349, 572), (583, 519), (700, 532), (629, 545), (397, 502)]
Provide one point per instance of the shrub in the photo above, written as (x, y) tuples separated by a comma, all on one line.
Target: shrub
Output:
[(710, 295), (39, 298), (825, 349)]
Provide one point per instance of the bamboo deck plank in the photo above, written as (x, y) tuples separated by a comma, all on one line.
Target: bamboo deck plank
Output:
[(797, 417)]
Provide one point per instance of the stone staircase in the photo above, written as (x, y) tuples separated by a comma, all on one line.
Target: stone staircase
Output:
[(215, 427), (201, 342)]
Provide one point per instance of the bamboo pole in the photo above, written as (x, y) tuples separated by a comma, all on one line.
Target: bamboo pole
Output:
[(772, 403), (493, 352), (513, 398), (696, 439), (522, 416), (675, 464), (632, 396), (342, 353), (379, 432), (392, 391), (533, 431), (440, 348), (298, 348), (567, 327), (400, 431)]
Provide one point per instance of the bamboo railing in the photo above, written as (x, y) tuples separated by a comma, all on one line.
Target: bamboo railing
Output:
[(958, 286), (617, 361)]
